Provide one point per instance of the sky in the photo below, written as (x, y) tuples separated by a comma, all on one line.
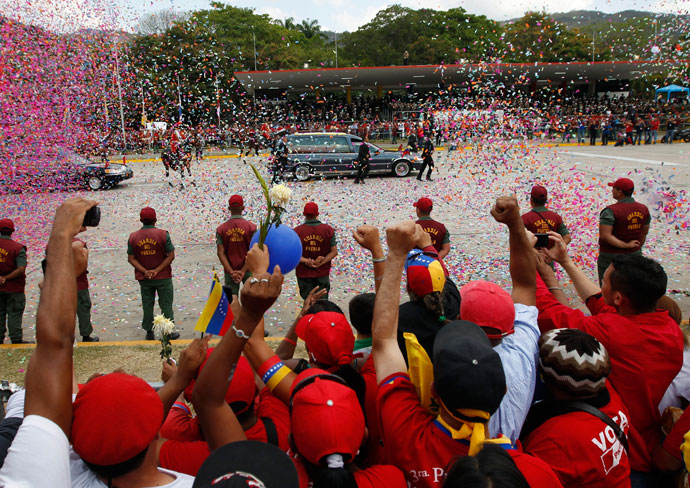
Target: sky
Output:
[(337, 15), (348, 15)]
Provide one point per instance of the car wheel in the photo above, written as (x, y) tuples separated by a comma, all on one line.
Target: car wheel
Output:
[(95, 183), (302, 172), (401, 168)]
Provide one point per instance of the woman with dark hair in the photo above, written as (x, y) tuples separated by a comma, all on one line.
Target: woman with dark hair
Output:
[(492, 467), (328, 430)]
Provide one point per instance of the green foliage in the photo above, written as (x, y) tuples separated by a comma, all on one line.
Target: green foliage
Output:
[(536, 37), (430, 37)]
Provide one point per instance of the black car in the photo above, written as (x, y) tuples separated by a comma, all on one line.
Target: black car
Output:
[(57, 169), (334, 154)]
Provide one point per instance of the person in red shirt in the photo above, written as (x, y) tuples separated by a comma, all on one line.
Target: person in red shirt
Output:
[(232, 244), (150, 252), (645, 345), (12, 283), (328, 430), (581, 448), (468, 384), (263, 418), (668, 455), (623, 226), (440, 237), (541, 220), (319, 247)]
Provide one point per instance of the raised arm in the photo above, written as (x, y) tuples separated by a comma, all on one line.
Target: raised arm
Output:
[(388, 358), (367, 236), (583, 285), (217, 419), (190, 360), (522, 259), (49, 375)]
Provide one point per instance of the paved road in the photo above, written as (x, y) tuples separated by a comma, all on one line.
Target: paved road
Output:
[(463, 190)]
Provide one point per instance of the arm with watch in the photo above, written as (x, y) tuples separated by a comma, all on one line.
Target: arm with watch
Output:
[(218, 422)]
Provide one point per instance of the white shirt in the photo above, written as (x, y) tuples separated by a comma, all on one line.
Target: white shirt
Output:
[(678, 391), (83, 477), (519, 352), (38, 456)]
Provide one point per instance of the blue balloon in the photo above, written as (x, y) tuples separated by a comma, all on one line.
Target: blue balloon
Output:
[(284, 247)]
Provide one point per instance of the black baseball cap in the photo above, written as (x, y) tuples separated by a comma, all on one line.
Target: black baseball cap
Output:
[(247, 463), (468, 373)]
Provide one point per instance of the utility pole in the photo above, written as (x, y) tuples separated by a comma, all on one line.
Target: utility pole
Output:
[(593, 34), (254, 36), (179, 99), (217, 102), (336, 49), (119, 92)]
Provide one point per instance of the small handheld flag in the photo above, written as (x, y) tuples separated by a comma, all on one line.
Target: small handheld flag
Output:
[(216, 317)]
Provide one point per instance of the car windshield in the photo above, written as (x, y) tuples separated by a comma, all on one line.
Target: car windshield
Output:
[(374, 148)]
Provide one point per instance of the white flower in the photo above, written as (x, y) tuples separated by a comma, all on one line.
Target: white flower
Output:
[(163, 325), (280, 195)]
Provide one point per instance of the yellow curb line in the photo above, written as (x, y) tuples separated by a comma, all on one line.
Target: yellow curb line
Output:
[(181, 342)]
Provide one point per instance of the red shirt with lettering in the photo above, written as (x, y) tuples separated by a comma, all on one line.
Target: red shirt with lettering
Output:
[(235, 235), (646, 352), (582, 449)]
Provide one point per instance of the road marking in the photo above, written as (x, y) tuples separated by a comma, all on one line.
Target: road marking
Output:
[(625, 158)]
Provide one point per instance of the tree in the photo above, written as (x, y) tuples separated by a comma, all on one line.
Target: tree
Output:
[(536, 37), (159, 22), (430, 36), (310, 28)]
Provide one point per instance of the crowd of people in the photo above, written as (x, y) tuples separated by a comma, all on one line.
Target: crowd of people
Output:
[(464, 385), (447, 116)]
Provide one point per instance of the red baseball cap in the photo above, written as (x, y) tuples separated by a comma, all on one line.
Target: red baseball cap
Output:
[(311, 208), (148, 214), (624, 184), (236, 201), (326, 417), (242, 388), (488, 305), (115, 417), (424, 204), (7, 224), (328, 337), (538, 192)]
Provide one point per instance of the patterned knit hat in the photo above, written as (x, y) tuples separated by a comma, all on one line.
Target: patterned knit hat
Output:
[(574, 360)]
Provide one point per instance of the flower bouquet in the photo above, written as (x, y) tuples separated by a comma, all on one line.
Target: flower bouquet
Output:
[(163, 327)]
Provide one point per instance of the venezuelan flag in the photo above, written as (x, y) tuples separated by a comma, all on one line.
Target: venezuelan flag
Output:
[(216, 317)]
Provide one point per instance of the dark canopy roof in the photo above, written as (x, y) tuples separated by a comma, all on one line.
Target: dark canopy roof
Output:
[(397, 77)]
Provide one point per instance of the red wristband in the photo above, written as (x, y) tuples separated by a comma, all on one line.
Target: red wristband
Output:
[(268, 364), (289, 341)]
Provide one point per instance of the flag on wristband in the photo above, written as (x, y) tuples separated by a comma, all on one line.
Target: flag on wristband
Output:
[(216, 317)]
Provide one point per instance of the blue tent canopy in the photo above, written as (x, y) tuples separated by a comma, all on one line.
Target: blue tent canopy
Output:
[(673, 89)]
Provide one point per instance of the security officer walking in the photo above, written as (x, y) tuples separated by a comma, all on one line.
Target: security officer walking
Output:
[(12, 282), (319, 247), (232, 244), (363, 162), (280, 159), (150, 251), (623, 226), (427, 160)]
